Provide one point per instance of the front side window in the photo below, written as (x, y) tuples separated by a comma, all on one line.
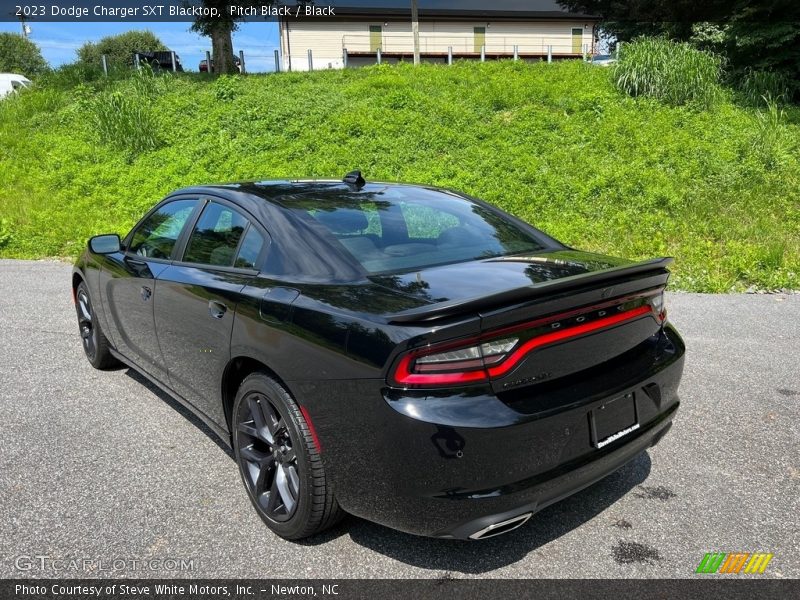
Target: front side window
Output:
[(157, 235), (216, 236)]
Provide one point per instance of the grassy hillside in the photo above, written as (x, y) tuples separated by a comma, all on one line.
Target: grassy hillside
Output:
[(557, 145)]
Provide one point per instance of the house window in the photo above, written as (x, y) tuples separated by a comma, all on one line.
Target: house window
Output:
[(375, 38), (577, 40), (480, 38)]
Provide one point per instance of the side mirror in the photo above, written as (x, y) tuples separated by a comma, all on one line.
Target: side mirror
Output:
[(105, 244)]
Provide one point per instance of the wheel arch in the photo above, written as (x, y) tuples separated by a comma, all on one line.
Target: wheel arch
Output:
[(77, 279), (235, 372)]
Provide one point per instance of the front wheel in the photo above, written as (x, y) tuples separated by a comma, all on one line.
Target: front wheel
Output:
[(279, 462), (95, 344)]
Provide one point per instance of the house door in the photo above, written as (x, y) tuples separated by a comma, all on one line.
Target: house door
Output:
[(375, 38), (577, 40), (480, 38)]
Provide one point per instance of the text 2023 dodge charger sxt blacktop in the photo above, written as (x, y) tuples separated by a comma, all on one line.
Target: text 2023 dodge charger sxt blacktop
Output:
[(407, 354)]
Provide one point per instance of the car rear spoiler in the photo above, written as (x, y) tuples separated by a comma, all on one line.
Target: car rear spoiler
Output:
[(442, 310)]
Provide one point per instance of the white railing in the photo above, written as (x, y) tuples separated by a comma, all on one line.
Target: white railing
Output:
[(442, 43)]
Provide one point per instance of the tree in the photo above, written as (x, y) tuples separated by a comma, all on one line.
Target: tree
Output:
[(20, 55), (220, 29), (762, 35), (120, 48), (765, 36), (627, 20)]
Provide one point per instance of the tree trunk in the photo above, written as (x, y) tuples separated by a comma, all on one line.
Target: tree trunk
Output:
[(222, 48)]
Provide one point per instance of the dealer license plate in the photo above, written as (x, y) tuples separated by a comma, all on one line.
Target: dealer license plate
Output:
[(613, 420)]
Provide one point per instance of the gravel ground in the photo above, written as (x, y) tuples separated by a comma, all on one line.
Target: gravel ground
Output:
[(100, 465)]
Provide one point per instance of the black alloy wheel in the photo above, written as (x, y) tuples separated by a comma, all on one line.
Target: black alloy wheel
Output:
[(269, 460), (95, 344), (86, 323), (279, 460)]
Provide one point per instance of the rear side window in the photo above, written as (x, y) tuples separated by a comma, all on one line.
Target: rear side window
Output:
[(250, 249), (216, 236), (156, 236)]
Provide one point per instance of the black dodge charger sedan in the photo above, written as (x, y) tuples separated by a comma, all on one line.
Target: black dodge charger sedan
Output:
[(407, 354)]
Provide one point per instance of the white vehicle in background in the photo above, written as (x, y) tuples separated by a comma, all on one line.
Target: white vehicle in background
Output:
[(603, 60), (10, 83)]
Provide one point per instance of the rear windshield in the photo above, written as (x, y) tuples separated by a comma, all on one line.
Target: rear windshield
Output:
[(393, 230)]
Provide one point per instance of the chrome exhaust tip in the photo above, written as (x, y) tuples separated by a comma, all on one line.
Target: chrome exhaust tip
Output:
[(501, 527)]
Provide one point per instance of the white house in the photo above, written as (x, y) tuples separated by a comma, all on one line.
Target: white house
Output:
[(356, 36)]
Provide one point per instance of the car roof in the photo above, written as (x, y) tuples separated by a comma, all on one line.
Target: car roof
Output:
[(306, 253), (271, 202), (13, 77), (278, 192)]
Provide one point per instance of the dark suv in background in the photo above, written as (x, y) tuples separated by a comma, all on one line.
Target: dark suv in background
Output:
[(204, 64)]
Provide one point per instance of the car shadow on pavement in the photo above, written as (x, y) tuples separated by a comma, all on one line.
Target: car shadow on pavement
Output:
[(180, 409), (494, 553), (456, 555)]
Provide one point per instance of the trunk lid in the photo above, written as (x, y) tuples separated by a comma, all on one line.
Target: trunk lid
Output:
[(568, 311), (480, 279)]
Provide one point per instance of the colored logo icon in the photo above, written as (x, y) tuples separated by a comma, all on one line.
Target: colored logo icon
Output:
[(734, 562)]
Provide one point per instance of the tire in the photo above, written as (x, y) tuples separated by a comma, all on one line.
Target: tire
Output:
[(95, 344), (279, 462)]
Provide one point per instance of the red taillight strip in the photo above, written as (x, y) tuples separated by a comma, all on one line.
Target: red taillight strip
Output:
[(404, 376), (564, 334), (576, 312)]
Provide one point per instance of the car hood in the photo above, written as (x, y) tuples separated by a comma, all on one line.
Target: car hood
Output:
[(495, 275)]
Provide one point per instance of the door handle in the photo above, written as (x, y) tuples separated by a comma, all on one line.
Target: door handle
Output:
[(217, 309), (146, 293)]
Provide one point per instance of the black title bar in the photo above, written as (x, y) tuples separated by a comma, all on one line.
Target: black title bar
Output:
[(702, 586), (120, 11)]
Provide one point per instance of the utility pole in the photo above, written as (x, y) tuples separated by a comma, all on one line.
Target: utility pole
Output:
[(415, 30), (26, 29)]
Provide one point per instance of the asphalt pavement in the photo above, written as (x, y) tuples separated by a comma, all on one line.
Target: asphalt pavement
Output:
[(102, 474)]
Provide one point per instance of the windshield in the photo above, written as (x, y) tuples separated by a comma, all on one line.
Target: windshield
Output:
[(397, 229)]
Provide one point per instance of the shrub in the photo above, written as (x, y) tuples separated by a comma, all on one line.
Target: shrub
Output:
[(123, 116), (675, 73), (770, 142), (757, 87), (224, 88), (67, 77), (119, 49), (31, 102), (20, 55)]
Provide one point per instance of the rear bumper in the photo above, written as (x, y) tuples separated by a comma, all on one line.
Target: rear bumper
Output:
[(451, 463), (548, 488)]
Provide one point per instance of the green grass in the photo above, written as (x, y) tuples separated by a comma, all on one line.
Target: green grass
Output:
[(557, 145), (675, 73)]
